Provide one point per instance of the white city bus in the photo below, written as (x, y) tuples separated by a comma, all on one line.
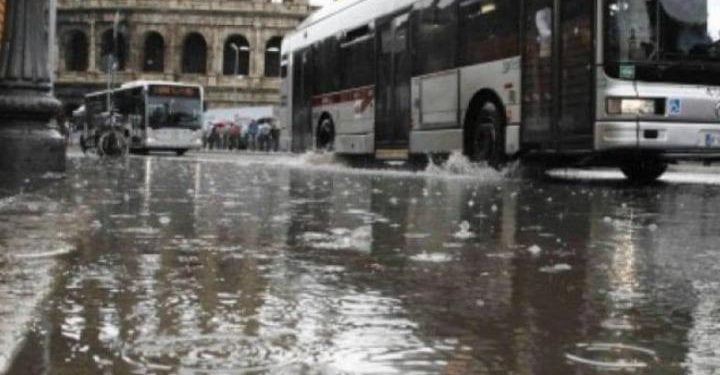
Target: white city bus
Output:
[(633, 84), (162, 116)]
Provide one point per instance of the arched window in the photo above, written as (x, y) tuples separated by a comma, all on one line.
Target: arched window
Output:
[(76, 51), (110, 47), (194, 57), (154, 56), (236, 56), (272, 57)]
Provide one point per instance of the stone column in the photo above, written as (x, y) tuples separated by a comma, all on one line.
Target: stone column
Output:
[(29, 136), (257, 49), (135, 49), (92, 48)]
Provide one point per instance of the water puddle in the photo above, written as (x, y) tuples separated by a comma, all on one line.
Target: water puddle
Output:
[(432, 257), (359, 239), (612, 356), (213, 353)]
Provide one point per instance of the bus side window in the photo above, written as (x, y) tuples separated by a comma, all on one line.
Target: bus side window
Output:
[(357, 58), (327, 77), (434, 30), (158, 115), (488, 30)]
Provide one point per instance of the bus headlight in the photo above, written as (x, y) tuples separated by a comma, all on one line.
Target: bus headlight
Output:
[(635, 106)]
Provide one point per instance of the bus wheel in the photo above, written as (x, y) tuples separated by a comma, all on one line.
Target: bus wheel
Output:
[(83, 144), (642, 172), (112, 144), (484, 143), (325, 135)]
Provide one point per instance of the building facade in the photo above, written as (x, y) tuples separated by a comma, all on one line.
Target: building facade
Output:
[(231, 47), (2, 19)]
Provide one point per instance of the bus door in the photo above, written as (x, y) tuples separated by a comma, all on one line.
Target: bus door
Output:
[(558, 89), (302, 83), (392, 90)]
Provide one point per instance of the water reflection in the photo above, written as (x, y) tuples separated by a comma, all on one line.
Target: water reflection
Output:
[(199, 267)]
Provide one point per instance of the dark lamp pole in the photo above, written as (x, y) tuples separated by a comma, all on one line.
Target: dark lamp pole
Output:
[(29, 136)]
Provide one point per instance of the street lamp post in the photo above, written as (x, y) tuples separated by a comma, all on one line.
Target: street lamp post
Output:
[(236, 48), (30, 140)]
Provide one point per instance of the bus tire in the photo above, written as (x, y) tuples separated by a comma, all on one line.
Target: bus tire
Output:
[(485, 140), (325, 138), (84, 144), (112, 144), (643, 171)]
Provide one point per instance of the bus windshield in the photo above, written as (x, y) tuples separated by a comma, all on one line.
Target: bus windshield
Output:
[(175, 112), (663, 40)]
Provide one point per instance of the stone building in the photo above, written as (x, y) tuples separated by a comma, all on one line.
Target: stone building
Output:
[(2, 19), (231, 47)]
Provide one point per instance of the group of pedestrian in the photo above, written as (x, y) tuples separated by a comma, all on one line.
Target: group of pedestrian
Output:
[(257, 135)]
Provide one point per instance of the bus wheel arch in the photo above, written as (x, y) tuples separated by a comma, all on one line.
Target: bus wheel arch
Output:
[(325, 133), (484, 129)]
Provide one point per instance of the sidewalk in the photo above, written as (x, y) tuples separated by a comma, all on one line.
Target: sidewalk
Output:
[(34, 229), (242, 152)]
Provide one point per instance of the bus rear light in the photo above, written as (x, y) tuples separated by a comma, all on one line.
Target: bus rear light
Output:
[(635, 106)]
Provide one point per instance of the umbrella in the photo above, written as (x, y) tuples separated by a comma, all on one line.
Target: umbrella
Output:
[(221, 123)]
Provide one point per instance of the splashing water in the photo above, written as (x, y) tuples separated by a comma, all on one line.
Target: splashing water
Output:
[(464, 233), (459, 164)]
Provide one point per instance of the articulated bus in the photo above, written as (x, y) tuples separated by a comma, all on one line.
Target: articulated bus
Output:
[(633, 84), (162, 116)]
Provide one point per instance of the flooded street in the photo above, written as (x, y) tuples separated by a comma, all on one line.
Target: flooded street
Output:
[(214, 264)]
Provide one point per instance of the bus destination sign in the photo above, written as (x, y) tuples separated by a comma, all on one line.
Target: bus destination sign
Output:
[(170, 90)]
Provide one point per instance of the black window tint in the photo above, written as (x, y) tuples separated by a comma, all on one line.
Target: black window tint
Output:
[(283, 71), (325, 63), (357, 58), (538, 86), (434, 30), (302, 99), (576, 82), (488, 30)]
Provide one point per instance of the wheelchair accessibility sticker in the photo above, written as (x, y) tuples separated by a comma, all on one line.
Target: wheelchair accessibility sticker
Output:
[(674, 107)]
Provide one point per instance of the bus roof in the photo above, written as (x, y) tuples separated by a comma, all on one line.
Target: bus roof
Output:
[(340, 16), (327, 11), (143, 83)]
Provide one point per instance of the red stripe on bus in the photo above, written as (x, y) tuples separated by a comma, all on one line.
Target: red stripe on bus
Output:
[(365, 94)]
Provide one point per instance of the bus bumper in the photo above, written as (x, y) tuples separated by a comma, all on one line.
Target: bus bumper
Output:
[(154, 144), (672, 140)]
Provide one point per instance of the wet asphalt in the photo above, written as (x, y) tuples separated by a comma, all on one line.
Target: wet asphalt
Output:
[(298, 264)]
